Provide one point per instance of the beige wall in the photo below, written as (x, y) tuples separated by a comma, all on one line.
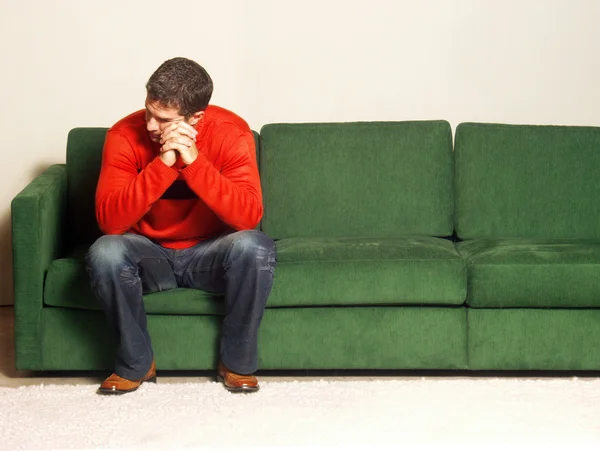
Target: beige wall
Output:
[(81, 63)]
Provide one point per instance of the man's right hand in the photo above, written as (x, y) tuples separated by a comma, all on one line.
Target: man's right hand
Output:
[(169, 157)]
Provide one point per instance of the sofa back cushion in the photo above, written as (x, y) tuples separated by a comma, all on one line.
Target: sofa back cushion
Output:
[(527, 181), (84, 158), (357, 179)]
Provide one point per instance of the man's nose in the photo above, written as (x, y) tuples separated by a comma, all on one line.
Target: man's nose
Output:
[(152, 125)]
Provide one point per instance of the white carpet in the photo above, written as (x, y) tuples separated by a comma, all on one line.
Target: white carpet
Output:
[(422, 411)]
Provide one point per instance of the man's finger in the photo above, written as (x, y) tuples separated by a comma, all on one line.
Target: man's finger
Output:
[(173, 132), (186, 129), (189, 128), (175, 145), (180, 139), (169, 128)]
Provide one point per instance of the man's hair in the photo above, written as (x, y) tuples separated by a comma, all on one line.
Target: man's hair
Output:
[(181, 83)]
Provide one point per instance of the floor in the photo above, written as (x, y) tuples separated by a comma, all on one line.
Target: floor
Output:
[(10, 377)]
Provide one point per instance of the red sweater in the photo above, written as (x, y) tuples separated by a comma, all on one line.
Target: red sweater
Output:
[(174, 206)]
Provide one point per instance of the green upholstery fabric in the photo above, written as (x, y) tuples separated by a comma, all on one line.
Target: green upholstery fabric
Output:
[(318, 271), (38, 235), (532, 273), (534, 339), (304, 338), (333, 271), (357, 179), (84, 159), (364, 337), (527, 181)]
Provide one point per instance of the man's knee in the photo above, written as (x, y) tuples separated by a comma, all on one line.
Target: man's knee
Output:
[(253, 245), (107, 251)]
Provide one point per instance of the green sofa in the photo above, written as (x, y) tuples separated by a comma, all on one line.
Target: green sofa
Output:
[(396, 250)]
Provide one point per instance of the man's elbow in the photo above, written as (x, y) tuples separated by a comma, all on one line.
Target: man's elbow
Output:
[(251, 220), (112, 230), (108, 227)]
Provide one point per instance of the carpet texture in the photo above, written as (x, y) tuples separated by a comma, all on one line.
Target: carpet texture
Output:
[(416, 411)]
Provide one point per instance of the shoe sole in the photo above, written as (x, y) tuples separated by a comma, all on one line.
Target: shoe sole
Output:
[(110, 391), (244, 389)]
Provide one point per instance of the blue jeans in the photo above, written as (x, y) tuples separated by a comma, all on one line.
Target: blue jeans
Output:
[(240, 265)]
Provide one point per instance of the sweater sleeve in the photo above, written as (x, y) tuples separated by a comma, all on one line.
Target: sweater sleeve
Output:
[(124, 195), (234, 192)]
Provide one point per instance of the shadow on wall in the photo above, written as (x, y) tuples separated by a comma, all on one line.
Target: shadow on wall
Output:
[(6, 258), (6, 273)]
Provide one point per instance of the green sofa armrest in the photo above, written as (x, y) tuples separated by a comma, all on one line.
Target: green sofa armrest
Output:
[(38, 237)]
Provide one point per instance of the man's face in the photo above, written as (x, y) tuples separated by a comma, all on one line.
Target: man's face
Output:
[(158, 117)]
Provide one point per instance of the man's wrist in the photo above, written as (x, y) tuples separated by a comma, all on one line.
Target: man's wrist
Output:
[(190, 170)]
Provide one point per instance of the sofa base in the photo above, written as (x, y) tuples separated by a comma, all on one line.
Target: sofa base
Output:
[(534, 339), (289, 338), (342, 338)]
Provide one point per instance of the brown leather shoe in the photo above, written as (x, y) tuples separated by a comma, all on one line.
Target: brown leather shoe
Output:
[(236, 383), (117, 385)]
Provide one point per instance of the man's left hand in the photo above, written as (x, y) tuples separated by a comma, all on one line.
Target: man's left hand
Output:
[(181, 137)]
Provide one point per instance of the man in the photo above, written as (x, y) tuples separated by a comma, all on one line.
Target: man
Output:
[(178, 200)]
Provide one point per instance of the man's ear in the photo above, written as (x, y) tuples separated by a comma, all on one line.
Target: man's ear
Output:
[(196, 117)]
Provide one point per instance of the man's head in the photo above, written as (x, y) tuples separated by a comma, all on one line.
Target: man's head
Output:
[(180, 89)]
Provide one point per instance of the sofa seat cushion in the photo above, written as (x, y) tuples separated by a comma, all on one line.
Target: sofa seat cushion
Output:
[(68, 285), (310, 272), (366, 271), (532, 273)]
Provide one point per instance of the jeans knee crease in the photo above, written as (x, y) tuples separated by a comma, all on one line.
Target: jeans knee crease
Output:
[(128, 276)]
